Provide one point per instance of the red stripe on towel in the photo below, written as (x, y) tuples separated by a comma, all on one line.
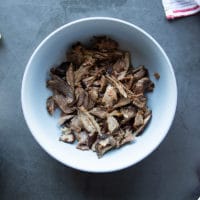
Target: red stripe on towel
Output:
[(187, 9)]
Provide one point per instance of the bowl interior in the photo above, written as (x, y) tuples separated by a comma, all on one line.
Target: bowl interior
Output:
[(144, 50)]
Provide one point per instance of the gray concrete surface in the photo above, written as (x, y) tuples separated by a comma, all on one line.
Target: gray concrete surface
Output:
[(172, 172)]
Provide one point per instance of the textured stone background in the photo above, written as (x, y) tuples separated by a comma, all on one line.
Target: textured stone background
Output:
[(172, 172)]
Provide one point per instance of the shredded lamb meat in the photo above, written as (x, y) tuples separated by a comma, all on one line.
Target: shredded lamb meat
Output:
[(101, 96)]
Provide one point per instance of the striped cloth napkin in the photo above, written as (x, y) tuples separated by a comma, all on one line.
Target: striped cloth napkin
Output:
[(180, 8)]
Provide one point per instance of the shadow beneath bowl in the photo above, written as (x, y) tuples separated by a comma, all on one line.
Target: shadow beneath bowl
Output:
[(116, 185)]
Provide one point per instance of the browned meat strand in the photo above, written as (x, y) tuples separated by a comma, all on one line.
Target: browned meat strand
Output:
[(102, 97)]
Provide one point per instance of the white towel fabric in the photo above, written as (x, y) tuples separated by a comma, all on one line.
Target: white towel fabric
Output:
[(180, 8)]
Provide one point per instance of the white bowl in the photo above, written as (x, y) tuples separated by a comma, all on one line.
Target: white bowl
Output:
[(144, 50)]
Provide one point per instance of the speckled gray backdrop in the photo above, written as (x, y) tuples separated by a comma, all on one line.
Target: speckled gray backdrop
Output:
[(172, 172)]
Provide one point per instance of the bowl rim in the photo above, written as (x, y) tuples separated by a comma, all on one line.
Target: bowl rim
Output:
[(174, 103)]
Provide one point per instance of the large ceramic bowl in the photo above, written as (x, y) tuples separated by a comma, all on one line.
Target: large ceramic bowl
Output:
[(144, 50)]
